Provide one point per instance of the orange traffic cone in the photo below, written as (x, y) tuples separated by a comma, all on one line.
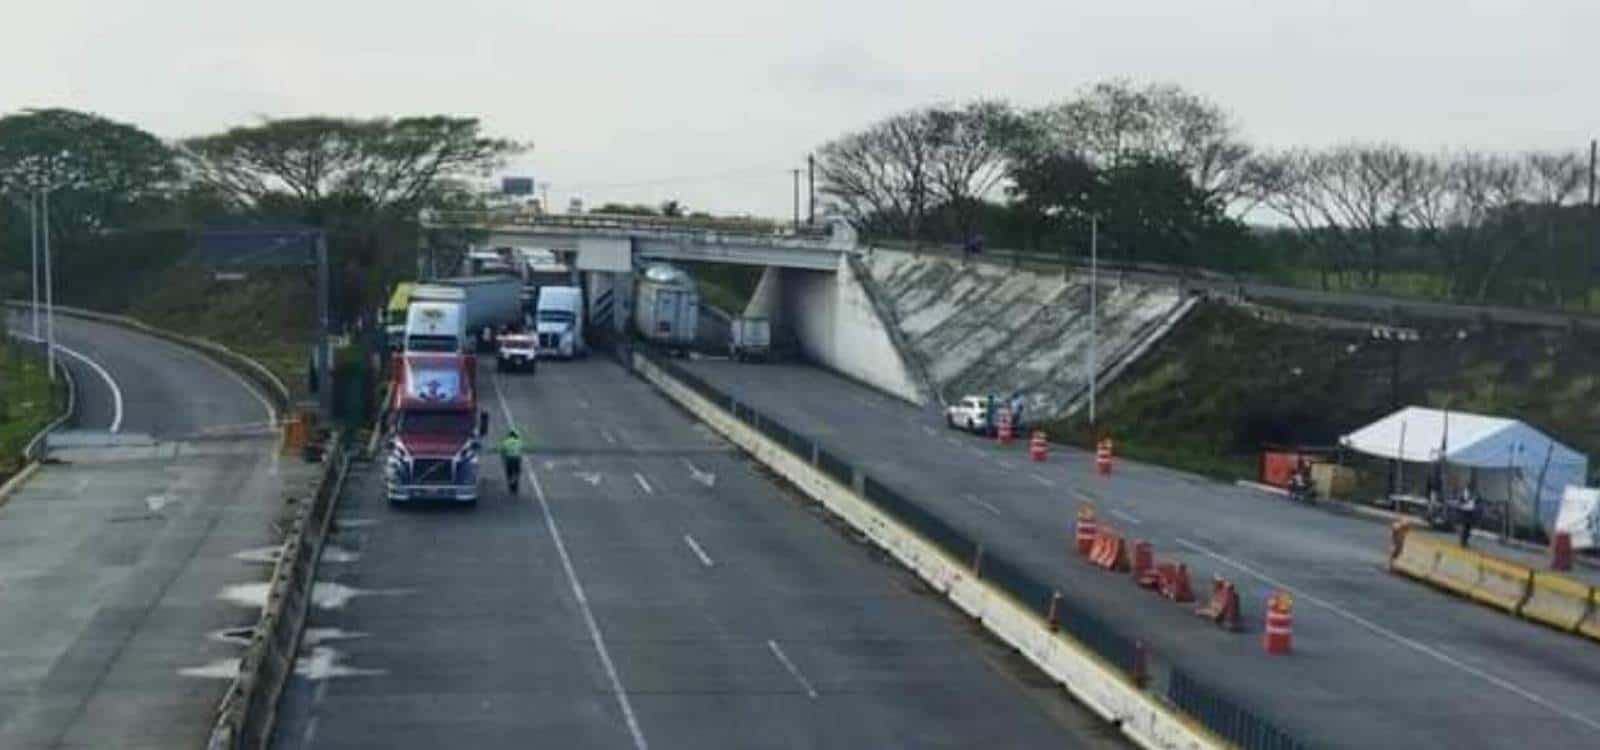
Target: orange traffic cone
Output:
[(1275, 639)]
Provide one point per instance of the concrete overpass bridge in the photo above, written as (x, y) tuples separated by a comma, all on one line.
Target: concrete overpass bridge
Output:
[(814, 290)]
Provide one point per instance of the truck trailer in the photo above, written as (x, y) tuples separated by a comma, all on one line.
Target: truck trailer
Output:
[(666, 307), (489, 303)]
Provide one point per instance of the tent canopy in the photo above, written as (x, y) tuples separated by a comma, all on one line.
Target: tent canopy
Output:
[(1538, 463)]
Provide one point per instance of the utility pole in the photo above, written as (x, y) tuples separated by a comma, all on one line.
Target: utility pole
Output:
[(1588, 247), (1094, 317), (796, 198), (324, 350), (811, 188)]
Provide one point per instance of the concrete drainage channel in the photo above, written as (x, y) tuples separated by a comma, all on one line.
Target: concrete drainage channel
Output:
[(1152, 702)]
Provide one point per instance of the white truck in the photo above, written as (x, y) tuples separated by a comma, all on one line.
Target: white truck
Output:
[(971, 413), (749, 338), (666, 307), (517, 351), (435, 327), (558, 322)]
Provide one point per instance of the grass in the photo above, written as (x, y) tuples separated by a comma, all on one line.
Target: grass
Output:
[(266, 316), (725, 286), (27, 401), (1226, 384)]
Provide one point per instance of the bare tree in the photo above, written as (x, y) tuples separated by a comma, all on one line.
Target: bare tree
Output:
[(969, 160), (882, 178), (1114, 121)]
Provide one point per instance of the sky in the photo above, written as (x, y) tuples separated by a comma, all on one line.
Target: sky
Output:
[(712, 102)]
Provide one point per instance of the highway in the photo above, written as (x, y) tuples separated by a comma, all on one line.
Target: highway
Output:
[(1379, 661), (115, 561), (650, 587)]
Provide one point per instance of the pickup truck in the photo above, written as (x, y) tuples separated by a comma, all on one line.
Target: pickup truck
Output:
[(517, 351), (971, 413)]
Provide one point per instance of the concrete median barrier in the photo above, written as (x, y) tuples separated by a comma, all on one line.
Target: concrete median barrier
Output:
[(1558, 601), (1458, 570), (1502, 583), (1590, 624), (1419, 555)]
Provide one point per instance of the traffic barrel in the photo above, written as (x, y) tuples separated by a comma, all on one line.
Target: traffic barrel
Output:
[(1275, 639), (1144, 565), (1223, 606), (1102, 457), (1036, 445), (1002, 427), (1173, 581), (1561, 551), (1086, 529)]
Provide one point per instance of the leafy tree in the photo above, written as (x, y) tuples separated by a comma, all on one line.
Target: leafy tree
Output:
[(626, 209), (102, 173)]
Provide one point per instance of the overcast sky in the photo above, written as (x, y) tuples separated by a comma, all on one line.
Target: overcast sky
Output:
[(712, 101)]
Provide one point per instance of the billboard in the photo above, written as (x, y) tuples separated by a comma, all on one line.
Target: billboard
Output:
[(516, 185)]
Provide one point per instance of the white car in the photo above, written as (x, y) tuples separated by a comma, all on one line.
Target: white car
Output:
[(517, 352), (969, 414)]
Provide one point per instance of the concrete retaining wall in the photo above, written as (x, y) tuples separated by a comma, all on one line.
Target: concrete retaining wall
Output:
[(990, 329), (1097, 685)]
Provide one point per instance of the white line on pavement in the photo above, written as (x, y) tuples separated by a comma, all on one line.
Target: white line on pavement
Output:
[(599, 640), (700, 553), (789, 665), (975, 499), (1042, 480), (643, 484), (1124, 516), (1391, 635), (116, 393), (606, 435)]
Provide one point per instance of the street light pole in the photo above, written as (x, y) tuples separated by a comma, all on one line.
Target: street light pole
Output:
[(1094, 317), (33, 241), (49, 287)]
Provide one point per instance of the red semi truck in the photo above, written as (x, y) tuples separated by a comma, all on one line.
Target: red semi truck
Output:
[(435, 428)]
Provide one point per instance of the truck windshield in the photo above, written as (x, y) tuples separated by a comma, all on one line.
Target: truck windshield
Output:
[(438, 422), (432, 343), (555, 316)]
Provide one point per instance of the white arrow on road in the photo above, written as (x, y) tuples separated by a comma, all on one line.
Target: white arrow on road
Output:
[(704, 477), (592, 479), (157, 502)]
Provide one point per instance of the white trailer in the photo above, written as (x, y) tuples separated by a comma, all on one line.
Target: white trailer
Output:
[(666, 307), (750, 338)]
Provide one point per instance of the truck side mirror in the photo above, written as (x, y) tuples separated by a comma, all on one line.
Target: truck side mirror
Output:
[(483, 423)]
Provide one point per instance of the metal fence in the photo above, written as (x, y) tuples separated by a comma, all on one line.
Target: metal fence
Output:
[(1222, 715)]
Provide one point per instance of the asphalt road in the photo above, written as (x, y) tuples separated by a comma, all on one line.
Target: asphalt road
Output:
[(1379, 660), (114, 560), (650, 587)]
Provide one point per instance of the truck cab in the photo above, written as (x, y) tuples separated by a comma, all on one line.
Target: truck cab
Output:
[(436, 430), (558, 322)]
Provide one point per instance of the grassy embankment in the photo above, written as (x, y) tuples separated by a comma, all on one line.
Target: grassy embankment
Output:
[(1225, 383), (27, 402), (725, 286)]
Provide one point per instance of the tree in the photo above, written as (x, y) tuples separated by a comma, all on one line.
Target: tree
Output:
[(1114, 121), (1050, 185), (970, 145), (374, 167), (1149, 209), (103, 173), (881, 178)]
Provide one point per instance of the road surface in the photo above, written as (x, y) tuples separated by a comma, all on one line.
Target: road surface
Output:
[(649, 588), (113, 561), (1379, 660)]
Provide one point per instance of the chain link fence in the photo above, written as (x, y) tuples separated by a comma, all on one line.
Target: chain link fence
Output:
[(1217, 712)]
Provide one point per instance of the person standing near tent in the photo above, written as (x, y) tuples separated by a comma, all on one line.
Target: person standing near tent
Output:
[(1468, 510)]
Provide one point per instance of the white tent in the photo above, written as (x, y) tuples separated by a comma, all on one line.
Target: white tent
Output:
[(1511, 459)]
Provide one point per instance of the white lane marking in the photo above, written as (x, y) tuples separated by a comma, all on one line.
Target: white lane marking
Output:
[(931, 432), (704, 477), (599, 640), (1042, 480), (700, 553), (116, 393), (643, 484), (583, 402), (606, 435), (1124, 516), (1391, 635), (1004, 464), (975, 499), (789, 665)]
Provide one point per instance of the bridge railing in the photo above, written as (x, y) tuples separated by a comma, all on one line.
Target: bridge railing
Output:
[(1160, 676), (753, 228)]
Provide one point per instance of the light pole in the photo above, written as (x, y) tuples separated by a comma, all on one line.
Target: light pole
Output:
[(1094, 316), (33, 241), (49, 286)]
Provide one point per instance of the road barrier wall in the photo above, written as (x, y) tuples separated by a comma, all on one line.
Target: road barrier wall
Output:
[(1557, 600), (1153, 701), (248, 710)]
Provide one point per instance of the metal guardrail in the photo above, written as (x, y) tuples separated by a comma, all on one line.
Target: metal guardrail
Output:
[(249, 709), (1212, 708), (628, 222)]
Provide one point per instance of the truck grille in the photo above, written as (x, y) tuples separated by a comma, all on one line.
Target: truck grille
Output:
[(547, 340), (431, 471)]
